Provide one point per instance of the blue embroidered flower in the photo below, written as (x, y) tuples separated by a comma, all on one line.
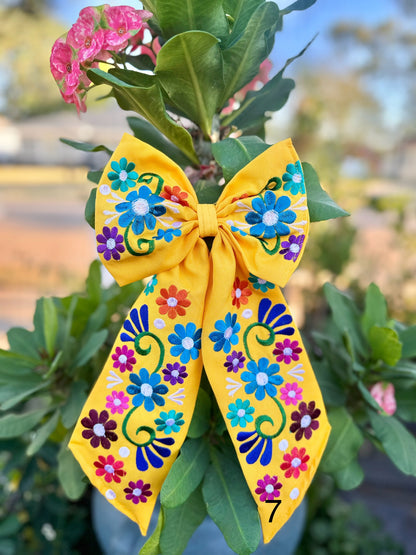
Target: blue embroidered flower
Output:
[(169, 421), (238, 230), (263, 448), (123, 175), (274, 317), (150, 285), (261, 378), (167, 234), (136, 324), (261, 284), (153, 453), (140, 209), (240, 413), (226, 334), (293, 179), (186, 342), (146, 389), (270, 216)]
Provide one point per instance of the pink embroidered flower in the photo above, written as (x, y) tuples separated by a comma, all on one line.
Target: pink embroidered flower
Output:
[(65, 67), (268, 488), (85, 36), (123, 22), (109, 468), (291, 394), (383, 393), (287, 351), (123, 358), (295, 462), (138, 491), (117, 402)]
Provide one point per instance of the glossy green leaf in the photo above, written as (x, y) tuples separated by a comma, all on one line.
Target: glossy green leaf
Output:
[(22, 341), (240, 11), (375, 311), (186, 473), (73, 405), (330, 384), (385, 345), (151, 547), (230, 504), (349, 477), (42, 434), (201, 418), (408, 340), (207, 192), (398, 443), (95, 176), (70, 474), (233, 154), (12, 394), (10, 526), (14, 425), (298, 5), (50, 324), (320, 205), (189, 69), (89, 213), (86, 147), (344, 441), (93, 283), (89, 348), (368, 398), (406, 402)]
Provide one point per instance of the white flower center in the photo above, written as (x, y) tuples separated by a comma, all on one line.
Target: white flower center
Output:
[(122, 359), (236, 361), (116, 402), (140, 207), (172, 301), (187, 343), (123, 175), (175, 373), (228, 332), (297, 178), (99, 430), (296, 462), (269, 488), (262, 378), (295, 248), (241, 413), (271, 217), (292, 394), (111, 244), (238, 293), (305, 422), (174, 198), (146, 390), (287, 351), (108, 468), (137, 492), (170, 422), (261, 281)]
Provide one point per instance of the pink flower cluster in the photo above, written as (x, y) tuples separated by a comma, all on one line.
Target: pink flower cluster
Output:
[(98, 34)]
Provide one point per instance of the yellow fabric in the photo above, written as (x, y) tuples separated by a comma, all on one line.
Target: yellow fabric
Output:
[(221, 309)]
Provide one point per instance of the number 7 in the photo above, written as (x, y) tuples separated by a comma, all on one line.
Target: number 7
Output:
[(277, 502)]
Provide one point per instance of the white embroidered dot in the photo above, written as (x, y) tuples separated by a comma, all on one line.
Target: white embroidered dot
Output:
[(170, 422), (262, 378), (269, 488), (271, 217), (294, 494), (295, 248), (146, 390), (175, 373), (296, 462), (287, 351), (187, 343), (305, 422), (159, 324), (124, 452), (109, 468), (140, 207), (111, 244), (297, 178), (247, 313), (228, 332), (237, 293), (241, 413), (123, 175), (116, 402), (122, 359), (110, 494), (292, 394), (105, 190), (99, 430), (261, 281), (137, 492), (283, 445), (172, 301)]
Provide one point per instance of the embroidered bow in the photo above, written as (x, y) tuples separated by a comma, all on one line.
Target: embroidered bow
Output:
[(222, 309)]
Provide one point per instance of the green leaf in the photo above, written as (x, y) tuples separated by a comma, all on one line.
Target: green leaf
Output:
[(180, 523), (349, 477), (95, 176), (73, 406), (186, 473), (233, 154), (42, 434), (90, 347), (398, 443), (12, 394), (406, 404), (151, 547), (385, 344), (375, 311), (207, 192), (10, 526), (344, 441), (23, 341), (86, 147), (93, 283), (230, 504), (50, 324), (330, 384), (201, 418), (298, 5), (14, 425), (241, 12), (189, 69), (89, 213), (70, 474), (368, 398), (408, 339), (321, 206)]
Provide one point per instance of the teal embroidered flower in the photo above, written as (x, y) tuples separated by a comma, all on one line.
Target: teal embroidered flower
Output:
[(226, 334), (167, 234), (270, 216), (140, 209), (259, 283), (261, 378), (123, 175), (240, 413), (150, 285), (169, 422), (293, 179)]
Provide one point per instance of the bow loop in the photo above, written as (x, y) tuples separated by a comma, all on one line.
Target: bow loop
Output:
[(207, 220)]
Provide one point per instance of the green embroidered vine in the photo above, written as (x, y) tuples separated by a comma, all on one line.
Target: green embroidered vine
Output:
[(274, 184), (274, 249), (264, 342), (148, 178), (145, 352), (150, 431), (265, 418), (140, 242)]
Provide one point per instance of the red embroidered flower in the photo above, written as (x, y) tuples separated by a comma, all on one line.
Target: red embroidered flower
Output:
[(295, 462), (305, 420), (244, 195), (138, 491), (124, 358), (268, 488), (99, 429), (173, 302), (291, 394), (287, 351), (109, 468), (240, 292), (174, 194)]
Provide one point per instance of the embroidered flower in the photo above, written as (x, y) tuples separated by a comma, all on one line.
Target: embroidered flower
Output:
[(150, 285), (136, 323), (226, 334), (295, 462), (138, 492), (235, 361), (174, 373), (153, 452), (293, 179), (173, 302), (240, 413), (109, 468), (123, 175), (123, 359), (255, 448), (186, 342), (167, 234), (270, 216), (240, 292), (274, 317), (291, 394), (175, 194), (305, 420), (99, 429), (84, 35), (287, 351), (261, 378), (146, 389), (268, 488), (291, 249), (383, 393), (111, 243), (261, 284), (117, 402), (169, 422), (140, 209)]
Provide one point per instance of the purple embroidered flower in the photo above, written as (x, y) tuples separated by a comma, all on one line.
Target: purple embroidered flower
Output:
[(138, 492), (292, 248), (175, 373), (123, 358), (99, 429), (111, 243), (235, 361)]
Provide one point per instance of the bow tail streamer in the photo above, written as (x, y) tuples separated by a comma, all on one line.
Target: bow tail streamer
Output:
[(138, 413), (265, 387)]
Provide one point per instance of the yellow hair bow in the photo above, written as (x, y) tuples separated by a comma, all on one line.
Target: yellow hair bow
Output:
[(221, 308)]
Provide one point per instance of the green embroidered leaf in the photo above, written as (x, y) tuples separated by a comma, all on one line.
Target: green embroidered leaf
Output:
[(180, 523), (320, 205), (230, 504), (70, 474), (233, 154), (398, 443), (375, 311), (42, 434), (201, 418), (406, 405), (12, 394), (344, 441), (89, 213), (86, 147), (73, 406), (298, 5), (385, 345), (50, 324), (23, 341), (14, 425), (186, 473), (241, 12), (349, 477), (151, 547), (408, 338), (189, 69), (90, 347)]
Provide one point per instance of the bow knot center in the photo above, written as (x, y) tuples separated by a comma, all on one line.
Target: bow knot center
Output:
[(207, 219)]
